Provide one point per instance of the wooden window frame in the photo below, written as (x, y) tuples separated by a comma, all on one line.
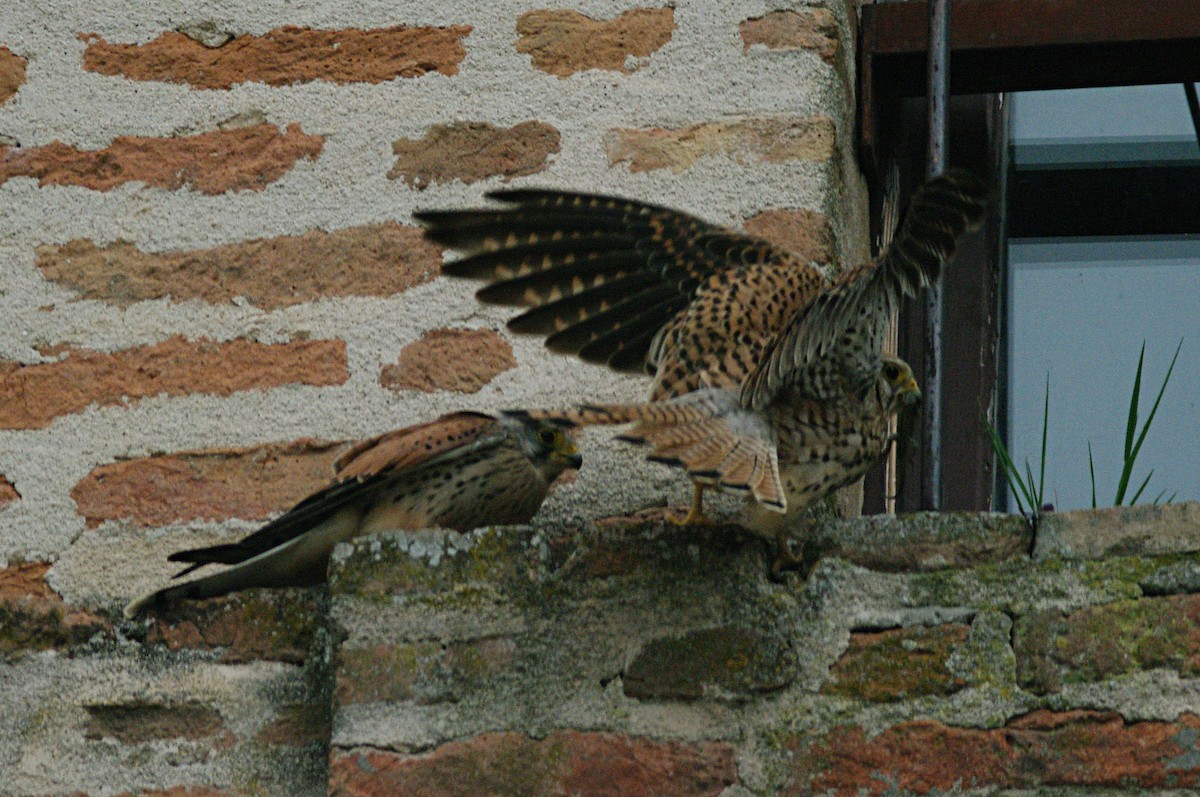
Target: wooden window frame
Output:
[(999, 46)]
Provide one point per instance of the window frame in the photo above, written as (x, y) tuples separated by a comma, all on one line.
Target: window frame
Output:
[(996, 46)]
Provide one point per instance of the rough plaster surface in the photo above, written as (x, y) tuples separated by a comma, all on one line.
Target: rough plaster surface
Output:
[(48, 695), (703, 73)]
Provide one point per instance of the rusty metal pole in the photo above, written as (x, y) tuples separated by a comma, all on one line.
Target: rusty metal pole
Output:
[(938, 92)]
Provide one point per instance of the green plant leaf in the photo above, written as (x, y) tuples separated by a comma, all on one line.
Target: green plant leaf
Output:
[(1092, 470), (1011, 474), (1136, 495), (1041, 491), (1132, 452)]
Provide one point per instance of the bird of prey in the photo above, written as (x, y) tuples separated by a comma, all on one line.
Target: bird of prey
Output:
[(461, 471), (768, 377)]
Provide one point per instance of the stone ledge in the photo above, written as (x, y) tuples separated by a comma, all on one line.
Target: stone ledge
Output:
[(1143, 530)]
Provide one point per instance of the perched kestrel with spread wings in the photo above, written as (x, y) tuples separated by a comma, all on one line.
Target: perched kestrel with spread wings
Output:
[(769, 377), (461, 471)]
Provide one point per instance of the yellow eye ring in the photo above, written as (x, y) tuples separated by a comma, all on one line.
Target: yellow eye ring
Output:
[(549, 437)]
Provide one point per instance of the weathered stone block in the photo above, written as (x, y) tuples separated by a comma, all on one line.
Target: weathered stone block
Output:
[(898, 664), (925, 541), (1144, 530), (710, 662), (266, 624), (1100, 642)]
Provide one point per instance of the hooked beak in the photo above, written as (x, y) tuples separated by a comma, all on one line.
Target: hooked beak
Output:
[(569, 456), (910, 394)]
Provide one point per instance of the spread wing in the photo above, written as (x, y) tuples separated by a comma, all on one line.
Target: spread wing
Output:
[(837, 339), (637, 287), (362, 471)]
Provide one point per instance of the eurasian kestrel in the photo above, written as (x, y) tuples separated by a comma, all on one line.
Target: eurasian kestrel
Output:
[(769, 378), (461, 471)]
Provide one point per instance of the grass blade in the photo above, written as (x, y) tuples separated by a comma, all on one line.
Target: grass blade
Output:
[(1130, 430), (1092, 470), (1133, 500), (1011, 474), (1150, 418), (1035, 500), (1041, 491)]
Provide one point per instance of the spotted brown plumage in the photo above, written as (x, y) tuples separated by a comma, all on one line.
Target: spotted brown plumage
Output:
[(634, 286), (461, 471), (773, 374)]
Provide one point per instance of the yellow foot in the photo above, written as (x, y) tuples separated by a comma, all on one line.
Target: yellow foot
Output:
[(692, 518), (695, 515), (785, 559)]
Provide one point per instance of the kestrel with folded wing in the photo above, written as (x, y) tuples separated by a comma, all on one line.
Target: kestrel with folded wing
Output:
[(769, 377), (461, 471)]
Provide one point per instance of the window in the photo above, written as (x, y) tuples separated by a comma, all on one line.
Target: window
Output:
[(1079, 302), (1076, 108)]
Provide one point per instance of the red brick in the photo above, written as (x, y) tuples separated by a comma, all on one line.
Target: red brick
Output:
[(898, 664), (12, 73), (810, 29), (376, 260), (31, 396), (266, 624), (26, 580), (563, 42), (473, 151), (804, 232), (284, 56), (1042, 749), (564, 763), (34, 617), (770, 139), (211, 484), (461, 360), (237, 159), (8, 492)]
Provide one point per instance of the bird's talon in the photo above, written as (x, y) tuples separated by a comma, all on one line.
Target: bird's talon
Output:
[(695, 515), (692, 518), (785, 559)]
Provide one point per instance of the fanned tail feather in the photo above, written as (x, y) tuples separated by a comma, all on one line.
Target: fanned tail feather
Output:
[(942, 209)]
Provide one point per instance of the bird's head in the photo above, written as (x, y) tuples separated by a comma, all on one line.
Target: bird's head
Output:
[(897, 385), (547, 443)]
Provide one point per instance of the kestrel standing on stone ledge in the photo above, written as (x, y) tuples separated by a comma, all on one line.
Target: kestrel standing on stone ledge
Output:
[(461, 471), (768, 376)]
